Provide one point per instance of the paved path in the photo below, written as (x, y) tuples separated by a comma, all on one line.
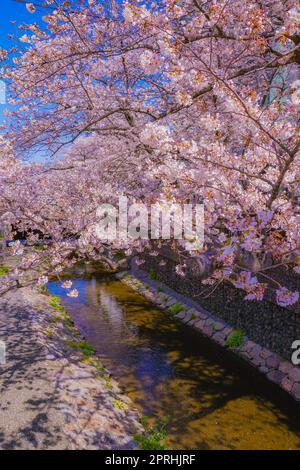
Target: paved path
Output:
[(29, 414), (49, 397)]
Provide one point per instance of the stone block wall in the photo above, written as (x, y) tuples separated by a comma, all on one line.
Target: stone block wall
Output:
[(267, 324)]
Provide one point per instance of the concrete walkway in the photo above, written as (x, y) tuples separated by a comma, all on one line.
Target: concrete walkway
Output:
[(51, 398), (29, 408)]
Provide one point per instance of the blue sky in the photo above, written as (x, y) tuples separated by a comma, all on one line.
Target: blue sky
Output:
[(12, 10)]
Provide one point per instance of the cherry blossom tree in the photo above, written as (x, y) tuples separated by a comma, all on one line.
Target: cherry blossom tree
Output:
[(169, 101)]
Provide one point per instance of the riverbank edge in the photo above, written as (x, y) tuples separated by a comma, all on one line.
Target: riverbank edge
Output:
[(97, 415), (276, 369)]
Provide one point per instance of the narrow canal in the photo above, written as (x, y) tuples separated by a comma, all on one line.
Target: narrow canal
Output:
[(169, 371)]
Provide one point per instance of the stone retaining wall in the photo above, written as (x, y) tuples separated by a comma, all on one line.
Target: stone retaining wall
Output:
[(273, 366), (269, 325)]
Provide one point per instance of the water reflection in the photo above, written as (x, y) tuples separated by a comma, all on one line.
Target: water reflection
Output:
[(169, 370)]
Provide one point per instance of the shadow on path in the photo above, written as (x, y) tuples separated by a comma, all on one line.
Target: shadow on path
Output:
[(29, 413)]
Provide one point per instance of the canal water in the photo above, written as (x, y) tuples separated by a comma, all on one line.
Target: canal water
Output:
[(210, 399)]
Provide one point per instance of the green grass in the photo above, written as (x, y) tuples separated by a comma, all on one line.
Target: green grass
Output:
[(82, 346), (49, 331), (39, 247), (153, 438), (120, 255), (235, 339), (97, 363), (43, 289), (56, 319), (94, 361), (68, 320), (153, 275), (119, 405), (54, 302), (159, 289), (176, 308), (138, 284), (55, 298), (4, 270), (65, 319), (107, 381)]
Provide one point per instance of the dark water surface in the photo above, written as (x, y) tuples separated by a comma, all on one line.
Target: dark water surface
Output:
[(168, 370)]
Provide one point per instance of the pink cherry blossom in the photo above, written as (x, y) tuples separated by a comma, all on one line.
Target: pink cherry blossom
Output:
[(43, 281), (164, 102), (180, 270), (73, 293), (67, 285), (30, 7), (285, 297)]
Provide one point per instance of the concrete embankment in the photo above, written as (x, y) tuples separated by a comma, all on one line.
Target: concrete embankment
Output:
[(275, 368)]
